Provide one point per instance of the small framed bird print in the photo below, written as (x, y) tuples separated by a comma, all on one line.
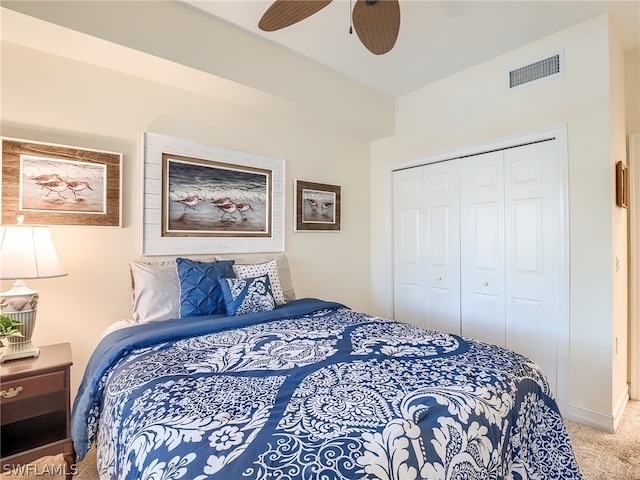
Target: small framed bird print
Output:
[(60, 185), (317, 207)]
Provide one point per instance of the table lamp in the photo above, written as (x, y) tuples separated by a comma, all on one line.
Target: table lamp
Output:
[(26, 251)]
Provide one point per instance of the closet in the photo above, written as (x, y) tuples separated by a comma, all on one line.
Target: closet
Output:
[(478, 248)]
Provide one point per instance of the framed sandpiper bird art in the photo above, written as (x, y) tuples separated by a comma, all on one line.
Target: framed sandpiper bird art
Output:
[(204, 198), (60, 185), (317, 207), (207, 198)]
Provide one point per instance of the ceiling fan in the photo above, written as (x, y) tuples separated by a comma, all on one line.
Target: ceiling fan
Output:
[(377, 22)]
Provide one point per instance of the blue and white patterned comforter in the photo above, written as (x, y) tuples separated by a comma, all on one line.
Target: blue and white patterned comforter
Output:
[(314, 390)]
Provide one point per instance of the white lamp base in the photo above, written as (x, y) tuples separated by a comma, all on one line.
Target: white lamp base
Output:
[(20, 304), (14, 351)]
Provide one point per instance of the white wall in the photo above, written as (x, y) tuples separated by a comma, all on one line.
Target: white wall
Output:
[(632, 96), (64, 87), (634, 265), (474, 108), (619, 233), (177, 32)]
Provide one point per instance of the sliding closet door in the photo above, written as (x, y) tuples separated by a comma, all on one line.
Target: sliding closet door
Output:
[(442, 246), (482, 247), (427, 246), (511, 245), (532, 240), (408, 261)]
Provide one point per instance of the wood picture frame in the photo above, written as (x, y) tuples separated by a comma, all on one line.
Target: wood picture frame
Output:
[(622, 185), (317, 207), (200, 198), (53, 184)]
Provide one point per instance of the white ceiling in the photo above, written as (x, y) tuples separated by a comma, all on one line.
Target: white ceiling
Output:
[(437, 38)]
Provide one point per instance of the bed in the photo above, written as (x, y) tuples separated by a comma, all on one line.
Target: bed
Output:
[(307, 389)]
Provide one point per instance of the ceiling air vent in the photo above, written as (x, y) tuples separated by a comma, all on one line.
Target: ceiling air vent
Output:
[(536, 72)]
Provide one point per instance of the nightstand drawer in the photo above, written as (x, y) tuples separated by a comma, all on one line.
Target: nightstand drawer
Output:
[(32, 387), (35, 404)]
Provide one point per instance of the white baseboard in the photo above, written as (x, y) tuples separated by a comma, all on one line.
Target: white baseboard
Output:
[(607, 422), (620, 407)]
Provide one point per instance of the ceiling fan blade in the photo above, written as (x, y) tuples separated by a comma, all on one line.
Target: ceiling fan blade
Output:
[(377, 23), (283, 13)]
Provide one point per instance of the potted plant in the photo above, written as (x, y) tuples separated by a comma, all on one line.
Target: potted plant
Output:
[(9, 327)]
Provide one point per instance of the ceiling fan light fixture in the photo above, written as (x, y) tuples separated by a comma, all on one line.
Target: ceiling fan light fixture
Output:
[(377, 22)]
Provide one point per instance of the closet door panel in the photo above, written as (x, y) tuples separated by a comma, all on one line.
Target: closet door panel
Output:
[(482, 247), (408, 195), (526, 229), (442, 246), (532, 203)]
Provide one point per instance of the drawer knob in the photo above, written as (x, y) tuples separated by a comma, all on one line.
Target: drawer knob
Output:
[(12, 392)]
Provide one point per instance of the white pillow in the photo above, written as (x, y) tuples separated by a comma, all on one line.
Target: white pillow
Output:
[(258, 269), (155, 291), (284, 273)]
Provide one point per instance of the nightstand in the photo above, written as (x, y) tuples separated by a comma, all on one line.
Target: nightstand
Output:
[(35, 408)]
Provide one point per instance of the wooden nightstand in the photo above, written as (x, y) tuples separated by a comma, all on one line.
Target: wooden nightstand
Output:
[(35, 408)]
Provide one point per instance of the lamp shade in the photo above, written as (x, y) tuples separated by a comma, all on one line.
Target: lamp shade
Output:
[(26, 251)]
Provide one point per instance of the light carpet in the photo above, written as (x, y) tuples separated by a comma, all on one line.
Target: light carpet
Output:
[(600, 455), (606, 456)]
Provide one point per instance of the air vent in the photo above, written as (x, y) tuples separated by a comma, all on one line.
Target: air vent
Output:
[(536, 72)]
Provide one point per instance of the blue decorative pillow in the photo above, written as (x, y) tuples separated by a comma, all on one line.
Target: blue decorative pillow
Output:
[(200, 292), (247, 295)]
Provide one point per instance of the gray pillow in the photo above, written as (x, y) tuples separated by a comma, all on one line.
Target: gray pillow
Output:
[(155, 291)]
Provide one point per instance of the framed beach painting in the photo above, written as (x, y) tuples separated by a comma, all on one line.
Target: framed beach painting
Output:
[(208, 198), (54, 184), (317, 207), (203, 198)]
